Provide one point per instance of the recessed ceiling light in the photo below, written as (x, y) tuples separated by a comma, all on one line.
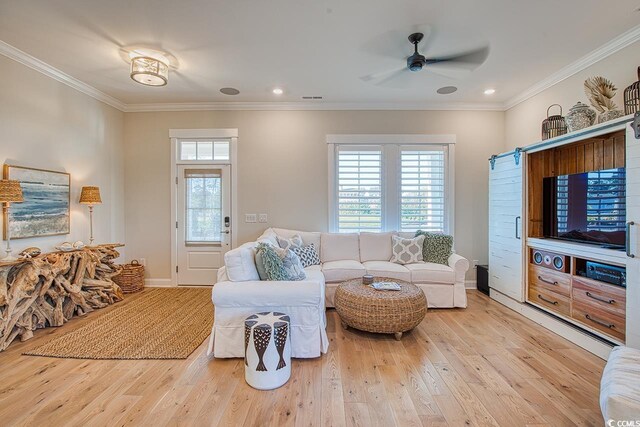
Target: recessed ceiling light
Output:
[(446, 90), (229, 91), (278, 91), (489, 91)]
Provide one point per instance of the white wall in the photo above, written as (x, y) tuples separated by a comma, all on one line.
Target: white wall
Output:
[(283, 169), (523, 122), (46, 124)]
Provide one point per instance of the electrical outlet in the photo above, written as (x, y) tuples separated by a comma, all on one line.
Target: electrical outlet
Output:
[(250, 218), (262, 218), (143, 262)]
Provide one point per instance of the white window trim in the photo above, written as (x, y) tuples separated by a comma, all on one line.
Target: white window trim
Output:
[(390, 169), (174, 136)]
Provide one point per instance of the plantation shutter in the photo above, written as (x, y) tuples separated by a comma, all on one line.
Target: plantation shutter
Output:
[(422, 189), (359, 188)]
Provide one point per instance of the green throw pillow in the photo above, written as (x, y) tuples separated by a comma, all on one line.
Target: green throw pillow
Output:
[(278, 264), (437, 247)]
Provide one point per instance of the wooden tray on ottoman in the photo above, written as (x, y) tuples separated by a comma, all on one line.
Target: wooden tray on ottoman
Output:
[(386, 312)]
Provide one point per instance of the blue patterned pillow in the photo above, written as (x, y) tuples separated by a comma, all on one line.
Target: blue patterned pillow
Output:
[(308, 255)]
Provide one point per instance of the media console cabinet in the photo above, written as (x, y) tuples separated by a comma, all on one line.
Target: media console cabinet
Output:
[(545, 279)]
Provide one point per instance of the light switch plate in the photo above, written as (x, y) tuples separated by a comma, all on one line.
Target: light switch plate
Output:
[(263, 218), (250, 218)]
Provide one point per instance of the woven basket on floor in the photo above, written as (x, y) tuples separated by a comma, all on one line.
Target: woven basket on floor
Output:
[(131, 278)]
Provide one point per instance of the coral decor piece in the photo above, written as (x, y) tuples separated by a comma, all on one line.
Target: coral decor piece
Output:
[(600, 92)]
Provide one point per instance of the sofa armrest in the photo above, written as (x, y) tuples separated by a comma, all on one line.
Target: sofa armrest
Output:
[(460, 266), (222, 274)]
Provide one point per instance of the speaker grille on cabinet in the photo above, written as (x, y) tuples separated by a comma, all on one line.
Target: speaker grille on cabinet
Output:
[(537, 258), (558, 262), (550, 260)]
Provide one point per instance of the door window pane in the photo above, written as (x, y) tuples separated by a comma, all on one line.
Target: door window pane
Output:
[(221, 150), (205, 150), (203, 206), (188, 150)]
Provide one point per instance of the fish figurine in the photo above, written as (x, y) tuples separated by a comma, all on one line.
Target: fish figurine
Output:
[(31, 252), (247, 335), (261, 340), (280, 332)]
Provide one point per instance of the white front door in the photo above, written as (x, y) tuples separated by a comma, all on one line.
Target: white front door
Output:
[(506, 230), (203, 222)]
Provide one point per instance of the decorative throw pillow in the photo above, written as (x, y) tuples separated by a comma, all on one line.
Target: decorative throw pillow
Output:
[(291, 264), (278, 264), (308, 255), (294, 242), (407, 251), (437, 247)]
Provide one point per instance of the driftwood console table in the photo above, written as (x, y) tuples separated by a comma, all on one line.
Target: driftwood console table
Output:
[(51, 288)]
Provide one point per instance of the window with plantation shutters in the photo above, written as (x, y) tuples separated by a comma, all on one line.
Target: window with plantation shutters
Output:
[(422, 189), (359, 189), (391, 183)]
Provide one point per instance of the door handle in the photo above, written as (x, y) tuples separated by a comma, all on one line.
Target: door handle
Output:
[(550, 282), (517, 227), (597, 298), (628, 242), (547, 300), (600, 322)]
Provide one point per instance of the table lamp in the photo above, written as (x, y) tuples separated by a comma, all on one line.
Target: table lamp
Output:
[(10, 192), (90, 196)]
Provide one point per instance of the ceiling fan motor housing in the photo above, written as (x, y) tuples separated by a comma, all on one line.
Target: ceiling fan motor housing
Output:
[(415, 62)]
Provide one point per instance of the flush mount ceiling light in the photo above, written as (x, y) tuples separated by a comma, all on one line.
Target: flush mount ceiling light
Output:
[(278, 91), (149, 71), (229, 91), (149, 66), (489, 91)]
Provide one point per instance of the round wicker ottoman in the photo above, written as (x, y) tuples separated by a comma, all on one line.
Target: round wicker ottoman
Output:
[(385, 312)]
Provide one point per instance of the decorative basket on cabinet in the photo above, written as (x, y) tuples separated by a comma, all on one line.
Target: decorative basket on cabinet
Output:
[(131, 278), (632, 97), (553, 126)]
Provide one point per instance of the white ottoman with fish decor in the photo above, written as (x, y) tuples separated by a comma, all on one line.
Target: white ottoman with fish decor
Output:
[(267, 350)]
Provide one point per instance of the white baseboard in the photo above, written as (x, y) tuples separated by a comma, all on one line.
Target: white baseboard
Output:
[(574, 335), (470, 284), (158, 283)]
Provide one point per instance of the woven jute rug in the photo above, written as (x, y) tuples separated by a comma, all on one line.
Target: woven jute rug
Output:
[(159, 324)]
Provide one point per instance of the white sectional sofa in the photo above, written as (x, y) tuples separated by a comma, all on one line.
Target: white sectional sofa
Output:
[(240, 293)]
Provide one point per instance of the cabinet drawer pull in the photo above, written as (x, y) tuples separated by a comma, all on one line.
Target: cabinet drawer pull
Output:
[(547, 300), (550, 282), (607, 301), (600, 322)]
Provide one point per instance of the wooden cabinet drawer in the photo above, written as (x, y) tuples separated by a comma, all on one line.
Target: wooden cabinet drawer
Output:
[(602, 320), (554, 302), (554, 281), (601, 296)]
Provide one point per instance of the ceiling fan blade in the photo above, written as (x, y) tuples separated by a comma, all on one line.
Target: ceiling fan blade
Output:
[(467, 60), (377, 77)]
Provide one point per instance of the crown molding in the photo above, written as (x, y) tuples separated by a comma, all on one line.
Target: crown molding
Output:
[(309, 106), (623, 40), (50, 71)]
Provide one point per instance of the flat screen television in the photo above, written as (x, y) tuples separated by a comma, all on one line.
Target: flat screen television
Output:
[(586, 207)]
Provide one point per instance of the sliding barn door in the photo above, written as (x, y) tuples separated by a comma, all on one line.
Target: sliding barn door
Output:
[(506, 232), (633, 239)]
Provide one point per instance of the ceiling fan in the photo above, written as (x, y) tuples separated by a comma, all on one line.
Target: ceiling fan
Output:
[(466, 61)]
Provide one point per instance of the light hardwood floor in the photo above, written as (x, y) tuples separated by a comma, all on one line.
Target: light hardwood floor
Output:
[(485, 365)]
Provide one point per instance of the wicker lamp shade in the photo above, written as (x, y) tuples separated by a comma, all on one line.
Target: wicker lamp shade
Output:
[(90, 195), (10, 191), (632, 97)]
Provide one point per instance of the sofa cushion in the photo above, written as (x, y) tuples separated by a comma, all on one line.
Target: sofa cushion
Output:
[(339, 246), (407, 251), (620, 386), (308, 237), (338, 271), (429, 272), (375, 246), (387, 269), (240, 263)]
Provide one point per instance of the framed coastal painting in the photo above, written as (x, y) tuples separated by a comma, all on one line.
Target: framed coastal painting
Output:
[(45, 210)]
